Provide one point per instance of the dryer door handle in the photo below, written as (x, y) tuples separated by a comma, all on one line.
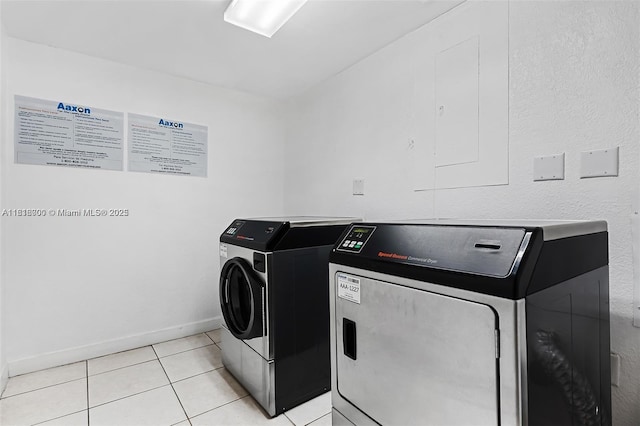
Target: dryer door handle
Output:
[(349, 338)]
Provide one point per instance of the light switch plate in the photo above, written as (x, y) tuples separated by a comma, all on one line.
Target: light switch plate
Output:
[(358, 187), (550, 167), (603, 162)]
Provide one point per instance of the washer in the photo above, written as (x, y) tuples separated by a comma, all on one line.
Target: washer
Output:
[(471, 323), (274, 297)]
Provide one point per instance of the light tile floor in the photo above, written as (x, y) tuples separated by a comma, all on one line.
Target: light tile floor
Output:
[(181, 382)]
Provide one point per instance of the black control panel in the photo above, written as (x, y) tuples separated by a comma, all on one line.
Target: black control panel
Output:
[(252, 233), (506, 261), (356, 238), (477, 250), (234, 228), (274, 235)]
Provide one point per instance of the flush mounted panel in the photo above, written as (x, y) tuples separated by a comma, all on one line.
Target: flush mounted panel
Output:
[(461, 125), (457, 81)]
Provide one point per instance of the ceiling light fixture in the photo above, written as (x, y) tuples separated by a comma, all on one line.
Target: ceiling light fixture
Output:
[(264, 17)]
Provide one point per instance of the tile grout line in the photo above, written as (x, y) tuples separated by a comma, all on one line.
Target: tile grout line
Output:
[(59, 417), (196, 375), (325, 414), (128, 396), (122, 368), (287, 417), (86, 361), (186, 350), (172, 388), (227, 403), (44, 387), (86, 365), (315, 420), (157, 358)]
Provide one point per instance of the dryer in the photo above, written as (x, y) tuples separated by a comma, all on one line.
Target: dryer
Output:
[(471, 323), (274, 298)]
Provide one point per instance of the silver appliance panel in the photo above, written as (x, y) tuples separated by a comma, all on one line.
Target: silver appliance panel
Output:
[(431, 357), (510, 339), (259, 344), (255, 373)]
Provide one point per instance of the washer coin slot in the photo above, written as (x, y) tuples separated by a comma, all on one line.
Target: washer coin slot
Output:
[(490, 245)]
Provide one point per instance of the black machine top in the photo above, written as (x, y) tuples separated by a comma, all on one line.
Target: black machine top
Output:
[(284, 233), (504, 259)]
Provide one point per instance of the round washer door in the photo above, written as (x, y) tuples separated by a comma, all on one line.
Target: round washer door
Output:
[(241, 294)]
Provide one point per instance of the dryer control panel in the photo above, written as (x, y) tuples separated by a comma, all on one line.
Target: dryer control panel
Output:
[(486, 251), (511, 260), (356, 238)]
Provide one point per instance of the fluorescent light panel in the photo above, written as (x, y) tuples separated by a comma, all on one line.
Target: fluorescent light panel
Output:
[(264, 17)]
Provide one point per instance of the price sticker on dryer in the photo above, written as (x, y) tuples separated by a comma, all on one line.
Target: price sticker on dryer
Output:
[(349, 288), (223, 250)]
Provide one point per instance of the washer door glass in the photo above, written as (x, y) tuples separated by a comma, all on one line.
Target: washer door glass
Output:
[(241, 295)]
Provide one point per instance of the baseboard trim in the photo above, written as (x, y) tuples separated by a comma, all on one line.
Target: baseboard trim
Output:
[(4, 377), (81, 353)]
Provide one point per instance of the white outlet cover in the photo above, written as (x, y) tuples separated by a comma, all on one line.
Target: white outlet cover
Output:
[(550, 167), (358, 187), (600, 163)]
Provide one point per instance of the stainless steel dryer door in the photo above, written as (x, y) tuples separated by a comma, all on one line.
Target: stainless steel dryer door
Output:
[(411, 357)]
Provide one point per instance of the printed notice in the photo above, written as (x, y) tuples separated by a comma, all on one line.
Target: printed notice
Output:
[(57, 133), (349, 288), (158, 145)]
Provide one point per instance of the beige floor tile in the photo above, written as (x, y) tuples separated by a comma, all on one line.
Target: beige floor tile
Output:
[(215, 335), (242, 412), (208, 391), (322, 421), (311, 410), (193, 362), (120, 360), (44, 404), (116, 384), (153, 408), (43, 378), (180, 345), (76, 419)]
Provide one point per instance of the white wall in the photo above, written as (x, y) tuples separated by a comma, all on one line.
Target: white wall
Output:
[(573, 86), (79, 287), (4, 371)]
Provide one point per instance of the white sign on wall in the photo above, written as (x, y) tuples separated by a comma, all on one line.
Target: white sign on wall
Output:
[(61, 134), (158, 145)]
